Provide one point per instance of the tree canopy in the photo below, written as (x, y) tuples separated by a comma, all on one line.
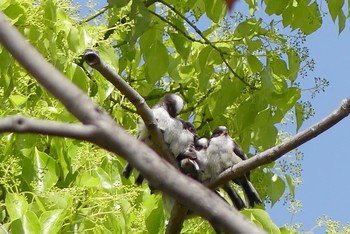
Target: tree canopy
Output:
[(236, 70)]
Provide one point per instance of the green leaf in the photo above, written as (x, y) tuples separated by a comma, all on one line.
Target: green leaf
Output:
[(208, 56), (248, 28), (290, 184), (31, 223), (157, 61), (46, 170), (254, 63), (16, 205), (106, 181), (299, 115), (341, 21), (215, 10), (155, 219), (286, 100), (276, 6), (261, 218), (141, 17), (294, 64), (335, 7), (80, 78), (16, 13), (264, 133), (182, 45), (87, 180), (173, 69), (18, 100), (73, 39), (275, 188), (254, 45), (119, 3), (246, 113), (307, 18), (52, 221), (279, 66)]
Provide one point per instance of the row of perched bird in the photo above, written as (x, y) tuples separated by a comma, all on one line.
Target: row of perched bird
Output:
[(201, 158)]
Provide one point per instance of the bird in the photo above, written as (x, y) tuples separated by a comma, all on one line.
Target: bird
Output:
[(164, 113), (176, 133), (224, 152), (198, 155)]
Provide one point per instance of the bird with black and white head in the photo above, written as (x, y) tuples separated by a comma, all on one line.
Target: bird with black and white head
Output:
[(164, 113), (198, 155), (224, 152)]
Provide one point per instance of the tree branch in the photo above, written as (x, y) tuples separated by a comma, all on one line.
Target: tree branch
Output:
[(278, 151), (21, 124), (94, 60), (110, 136), (95, 15)]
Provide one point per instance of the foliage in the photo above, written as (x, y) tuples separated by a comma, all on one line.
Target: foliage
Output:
[(240, 72)]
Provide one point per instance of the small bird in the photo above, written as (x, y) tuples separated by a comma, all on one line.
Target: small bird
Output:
[(199, 155), (224, 152), (178, 136), (185, 136), (164, 112)]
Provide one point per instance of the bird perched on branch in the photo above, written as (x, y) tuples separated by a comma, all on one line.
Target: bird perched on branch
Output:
[(177, 134), (198, 155), (164, 113), (224, 152)]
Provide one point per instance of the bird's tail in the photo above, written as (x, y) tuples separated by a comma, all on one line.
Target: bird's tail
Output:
[(234, 196), (250, 192), (127, 170)]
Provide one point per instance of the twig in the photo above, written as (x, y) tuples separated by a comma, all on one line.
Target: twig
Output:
[(93, 16), (278, 151), (21, 124), (206, 42)]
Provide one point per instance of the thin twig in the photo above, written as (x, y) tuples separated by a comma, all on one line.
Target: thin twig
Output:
[(21, 124), (95, 15), (207, 41)]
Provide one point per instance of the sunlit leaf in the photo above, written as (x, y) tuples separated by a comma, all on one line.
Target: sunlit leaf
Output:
[(215, 10), (51, 221), (299, 115), (31, 223), (254, 63), (275, 188), (290, 184), (157, 61), (16, 205), (261, 217), (46, 170), (18, 100)]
